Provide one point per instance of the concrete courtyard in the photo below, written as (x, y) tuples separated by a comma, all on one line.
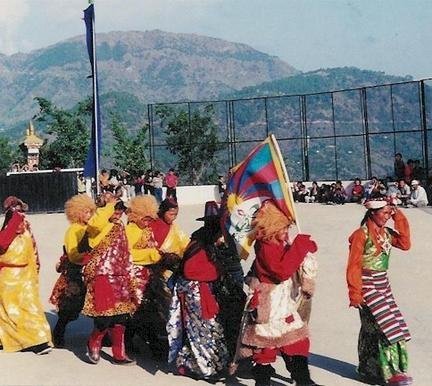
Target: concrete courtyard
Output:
[(334, 326)]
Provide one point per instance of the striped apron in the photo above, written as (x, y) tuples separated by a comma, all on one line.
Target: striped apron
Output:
[(379, 298)]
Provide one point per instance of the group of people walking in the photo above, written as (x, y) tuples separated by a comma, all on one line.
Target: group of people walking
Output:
[(187, 298)]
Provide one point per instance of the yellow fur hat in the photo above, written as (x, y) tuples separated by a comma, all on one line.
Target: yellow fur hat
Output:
[(142, 206), (76, 206), (268, 221)]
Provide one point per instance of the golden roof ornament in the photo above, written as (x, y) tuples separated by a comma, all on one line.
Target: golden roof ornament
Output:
[(31, 138)]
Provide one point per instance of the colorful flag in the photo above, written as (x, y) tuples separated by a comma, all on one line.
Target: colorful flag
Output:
[(91, 167), (259, 177)]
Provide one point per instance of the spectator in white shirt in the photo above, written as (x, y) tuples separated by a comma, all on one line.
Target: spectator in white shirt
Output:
[(418, 195)]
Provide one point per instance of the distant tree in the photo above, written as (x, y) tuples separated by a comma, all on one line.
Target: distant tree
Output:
[(193, 139), (69, 131), (7, 155), (129, 150)]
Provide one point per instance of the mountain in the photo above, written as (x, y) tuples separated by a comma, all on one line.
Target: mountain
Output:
[(154, 66), (317, 81)]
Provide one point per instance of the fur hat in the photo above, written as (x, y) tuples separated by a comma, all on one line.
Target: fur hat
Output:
[(142, 206)]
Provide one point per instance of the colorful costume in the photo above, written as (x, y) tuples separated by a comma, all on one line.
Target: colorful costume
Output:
[(141, 211), (23, 325), (383, 333), (199, 322), (108, 275), (196, 337), (171, 243), (69, 290), (279, 275)]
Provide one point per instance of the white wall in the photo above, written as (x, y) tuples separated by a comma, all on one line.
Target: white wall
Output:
[(195, 195)]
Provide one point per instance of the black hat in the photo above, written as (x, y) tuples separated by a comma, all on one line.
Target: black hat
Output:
[(211, 211)]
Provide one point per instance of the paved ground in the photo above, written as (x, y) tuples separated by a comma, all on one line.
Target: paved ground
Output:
[(334, 326)]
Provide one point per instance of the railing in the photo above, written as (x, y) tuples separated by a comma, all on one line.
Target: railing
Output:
[(332, 135)]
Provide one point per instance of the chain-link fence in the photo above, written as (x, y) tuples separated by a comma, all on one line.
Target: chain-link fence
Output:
[(332, 135)]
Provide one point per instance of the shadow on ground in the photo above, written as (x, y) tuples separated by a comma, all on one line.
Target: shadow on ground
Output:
[(335, 366)]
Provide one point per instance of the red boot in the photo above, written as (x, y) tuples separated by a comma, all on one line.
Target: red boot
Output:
[(118, 346), (94, 345)]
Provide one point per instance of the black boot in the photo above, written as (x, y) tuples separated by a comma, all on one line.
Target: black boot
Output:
[(297, 365), (262, 374), (58, 333)]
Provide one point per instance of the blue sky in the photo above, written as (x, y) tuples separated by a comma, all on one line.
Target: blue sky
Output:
[(386, 35)]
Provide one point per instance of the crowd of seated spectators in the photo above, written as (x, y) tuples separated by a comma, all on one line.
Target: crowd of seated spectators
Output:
[(408, 194)]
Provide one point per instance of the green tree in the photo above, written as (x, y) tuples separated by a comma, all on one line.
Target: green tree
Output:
[(69, 131), (192, 137), (7, 155), (129, 150)]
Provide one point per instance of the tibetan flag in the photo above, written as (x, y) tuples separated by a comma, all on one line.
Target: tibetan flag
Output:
[(261, 176)]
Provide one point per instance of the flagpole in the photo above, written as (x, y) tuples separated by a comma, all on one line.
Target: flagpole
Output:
[(95, 102), (276, 146)]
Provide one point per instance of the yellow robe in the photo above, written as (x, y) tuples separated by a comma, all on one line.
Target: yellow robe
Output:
[(137, 240), (22, 319), (73, 236)]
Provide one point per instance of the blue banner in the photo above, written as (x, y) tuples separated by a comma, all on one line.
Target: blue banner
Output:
[(93, 156)]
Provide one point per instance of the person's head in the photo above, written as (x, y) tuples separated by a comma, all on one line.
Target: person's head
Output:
[(168, 210), (79, 209), (374, 179), (415, 184), (104, 172), (402, 183), (357, 181), (379, 210), (171, 171), (270, 224), (142, 210), (398, 156), (15, 204), (221, 178), (410, 162), (119, 209), (211, 231)]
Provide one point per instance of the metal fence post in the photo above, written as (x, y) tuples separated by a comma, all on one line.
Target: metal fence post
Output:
[(151, 133), (424, 127), (305, 138), (363, 98)]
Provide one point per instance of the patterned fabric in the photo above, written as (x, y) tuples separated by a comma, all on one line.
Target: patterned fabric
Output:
[(378, 360), (374, 259), (22, 319), (110, 265), (196, 344), (69, 291), (379, 298), (142, 276)]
